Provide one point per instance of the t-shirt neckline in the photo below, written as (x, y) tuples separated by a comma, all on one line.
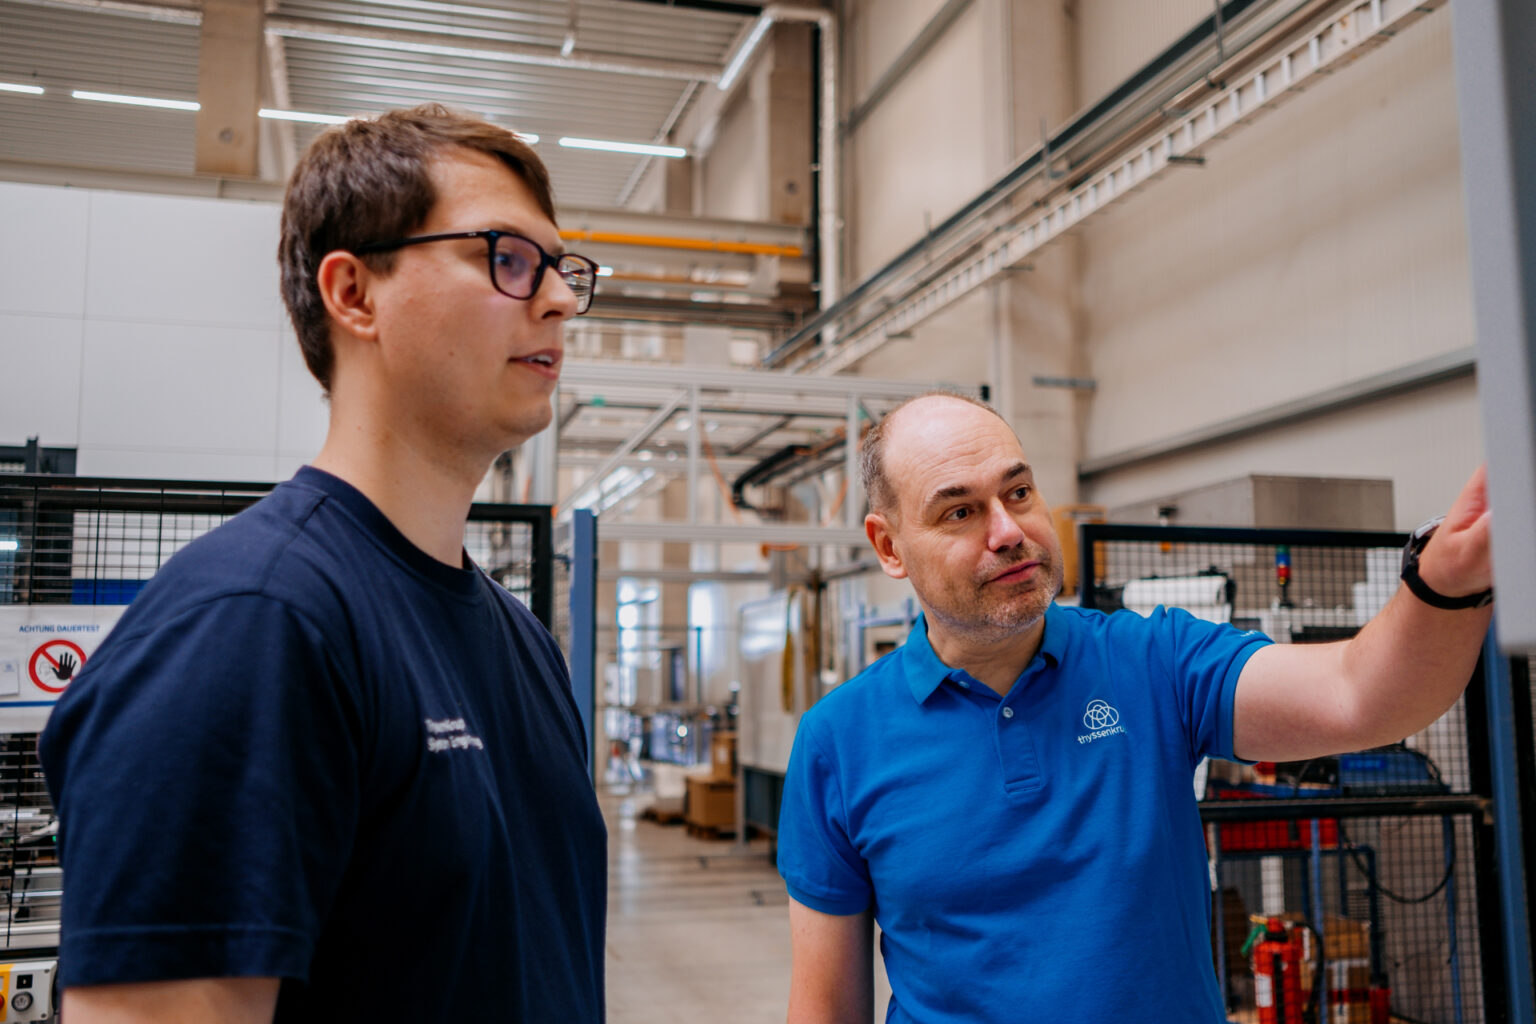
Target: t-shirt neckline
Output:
[(386, 534)]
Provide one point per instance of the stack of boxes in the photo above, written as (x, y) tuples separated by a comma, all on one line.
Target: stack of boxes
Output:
[(711, 802)]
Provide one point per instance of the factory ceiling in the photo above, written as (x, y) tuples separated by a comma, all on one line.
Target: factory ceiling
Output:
[(614, 70)]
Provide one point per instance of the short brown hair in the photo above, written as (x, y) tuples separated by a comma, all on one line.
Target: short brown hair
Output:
[(877, 486), (367, 181)]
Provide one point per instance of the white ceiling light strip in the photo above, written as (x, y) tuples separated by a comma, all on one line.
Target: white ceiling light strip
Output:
[(1351, 31), (301, 116), (30, 90), (136, 101), (744, 52), (638, 148)]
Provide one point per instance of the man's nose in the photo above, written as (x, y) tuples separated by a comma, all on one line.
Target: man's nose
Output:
[(1003, 530)]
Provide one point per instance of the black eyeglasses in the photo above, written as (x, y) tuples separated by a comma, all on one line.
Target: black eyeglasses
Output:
[(516, 264)]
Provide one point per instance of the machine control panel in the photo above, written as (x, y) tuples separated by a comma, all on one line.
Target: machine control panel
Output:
[(26, 990)]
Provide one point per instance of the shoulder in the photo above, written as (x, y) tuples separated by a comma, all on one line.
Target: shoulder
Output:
[(867, 694), (286, 548), (1123, 625)]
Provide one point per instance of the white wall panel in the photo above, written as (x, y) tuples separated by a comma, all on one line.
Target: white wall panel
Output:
[(173, 258), (40, 357), (922, 153), (177, 465), (1427, 443), (1322, 245), (875, 33), (735, 171), (302, 412), (166, 388), (1116, 38), (42, 265)]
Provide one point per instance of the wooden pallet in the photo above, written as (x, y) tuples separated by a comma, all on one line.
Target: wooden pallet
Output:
[(662, 815), (711, 831)]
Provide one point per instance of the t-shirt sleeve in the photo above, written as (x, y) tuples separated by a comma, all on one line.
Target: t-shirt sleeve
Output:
[(206, 775), (820, 865), (1204, 660)]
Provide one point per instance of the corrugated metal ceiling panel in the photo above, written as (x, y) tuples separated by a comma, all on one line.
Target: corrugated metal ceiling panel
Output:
[(63, 49)]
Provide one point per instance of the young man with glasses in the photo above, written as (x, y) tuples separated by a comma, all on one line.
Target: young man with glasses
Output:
[(324, 768)]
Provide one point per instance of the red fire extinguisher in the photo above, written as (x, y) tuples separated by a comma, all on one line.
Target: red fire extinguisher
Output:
[(1276, 972)]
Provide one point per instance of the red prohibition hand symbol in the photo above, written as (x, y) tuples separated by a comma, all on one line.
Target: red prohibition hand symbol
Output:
[(55, 663)]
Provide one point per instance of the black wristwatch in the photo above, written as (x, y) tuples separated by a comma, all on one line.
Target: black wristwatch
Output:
[(1422, 590)]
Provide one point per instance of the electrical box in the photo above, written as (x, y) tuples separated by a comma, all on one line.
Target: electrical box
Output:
[(26, 990)]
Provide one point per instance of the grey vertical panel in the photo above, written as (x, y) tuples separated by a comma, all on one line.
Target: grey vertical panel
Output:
[(1496, 83)]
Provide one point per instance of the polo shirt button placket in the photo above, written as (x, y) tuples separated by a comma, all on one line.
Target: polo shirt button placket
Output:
[(1007, 712)]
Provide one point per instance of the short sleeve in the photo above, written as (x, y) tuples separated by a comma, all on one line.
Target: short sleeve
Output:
[(1204, 660), (206, 775), (820, 865)]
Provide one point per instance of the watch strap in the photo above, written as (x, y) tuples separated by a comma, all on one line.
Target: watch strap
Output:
[(1423, 591), (1432, 597)]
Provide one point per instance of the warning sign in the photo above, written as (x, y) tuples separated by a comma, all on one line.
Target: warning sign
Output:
[(55, 663), (43, 649)]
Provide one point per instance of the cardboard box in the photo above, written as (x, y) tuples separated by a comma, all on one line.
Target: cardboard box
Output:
[(711, 803), (1344, 939), (722, 756)]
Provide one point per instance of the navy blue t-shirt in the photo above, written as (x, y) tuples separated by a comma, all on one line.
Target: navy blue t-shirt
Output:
[(311, 751)]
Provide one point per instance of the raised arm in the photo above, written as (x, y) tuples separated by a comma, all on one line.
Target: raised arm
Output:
[(831, 977), (1396, 676), (196, 1001)]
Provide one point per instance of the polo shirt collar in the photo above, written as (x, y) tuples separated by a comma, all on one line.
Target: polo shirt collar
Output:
[(925, 673)]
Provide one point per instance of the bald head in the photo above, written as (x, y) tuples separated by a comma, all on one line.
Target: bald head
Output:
[(877, 485)]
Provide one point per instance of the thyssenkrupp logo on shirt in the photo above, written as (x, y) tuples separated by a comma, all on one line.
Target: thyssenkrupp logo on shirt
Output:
[(1100, 715)]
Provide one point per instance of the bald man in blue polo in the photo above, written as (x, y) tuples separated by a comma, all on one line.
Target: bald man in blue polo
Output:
[(1009, 794)]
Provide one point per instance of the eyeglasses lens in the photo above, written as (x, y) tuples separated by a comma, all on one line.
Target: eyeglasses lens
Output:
[(516, 263), (580, 276)]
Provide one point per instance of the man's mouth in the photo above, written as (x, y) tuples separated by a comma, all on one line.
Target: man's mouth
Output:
[(1016, 573), (540, 359)]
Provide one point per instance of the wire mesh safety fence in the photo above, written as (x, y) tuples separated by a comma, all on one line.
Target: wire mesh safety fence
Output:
[(1377, 863), (97, 541), (30, 878)]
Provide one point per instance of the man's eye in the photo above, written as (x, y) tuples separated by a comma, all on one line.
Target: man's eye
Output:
[(955, 515), (1020, 493)]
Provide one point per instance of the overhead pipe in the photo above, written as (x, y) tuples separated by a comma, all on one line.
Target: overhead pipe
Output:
[(828, 213), (1094, 117)]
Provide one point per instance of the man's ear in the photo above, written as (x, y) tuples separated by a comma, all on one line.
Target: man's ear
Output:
[(878, 529), (345, 287)]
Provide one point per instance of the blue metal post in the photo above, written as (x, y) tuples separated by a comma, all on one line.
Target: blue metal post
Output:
[(1506, 833), (1448, 828), (1319, 920), (583, 646)]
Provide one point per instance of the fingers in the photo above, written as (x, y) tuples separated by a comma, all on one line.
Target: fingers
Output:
[(1472, 503)]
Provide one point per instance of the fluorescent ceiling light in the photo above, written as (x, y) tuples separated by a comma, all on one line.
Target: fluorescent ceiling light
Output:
[(136, 101), (299, 115), (604, 271), (744, 54), (7, 544), (30, 90), (623, 147), (529, 137)]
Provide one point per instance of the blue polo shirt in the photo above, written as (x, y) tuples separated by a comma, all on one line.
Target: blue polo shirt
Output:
[(1038, 854)]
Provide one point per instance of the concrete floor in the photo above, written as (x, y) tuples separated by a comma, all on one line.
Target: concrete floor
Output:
[(698, 930)]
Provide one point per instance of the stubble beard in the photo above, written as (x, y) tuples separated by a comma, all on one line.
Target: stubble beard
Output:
[(990, 617)]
